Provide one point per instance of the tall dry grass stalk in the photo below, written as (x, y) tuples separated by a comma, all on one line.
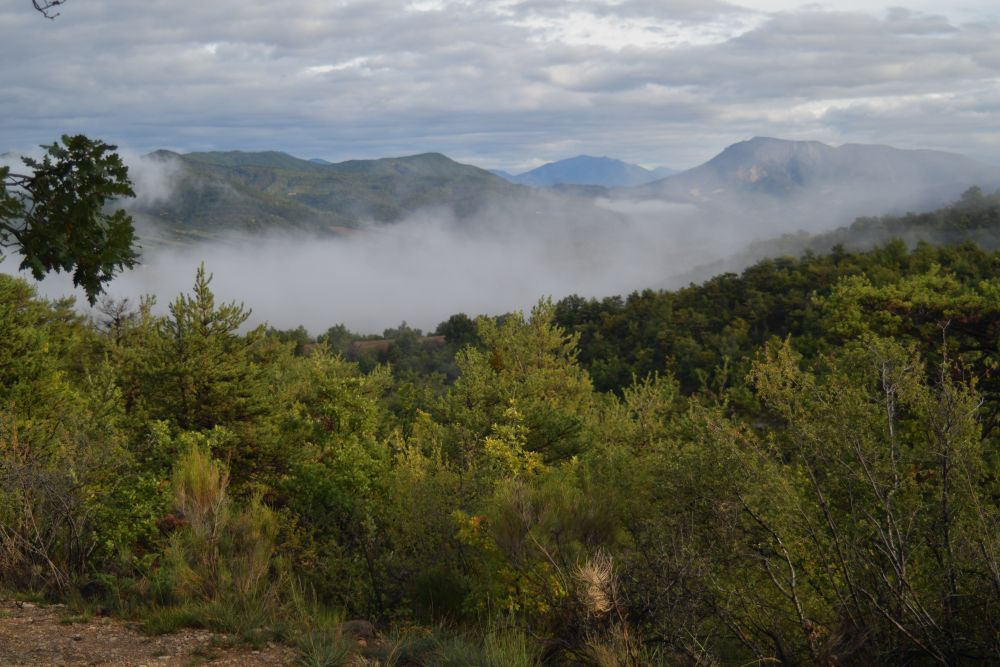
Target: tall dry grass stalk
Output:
[(598, 588), (597, 591)]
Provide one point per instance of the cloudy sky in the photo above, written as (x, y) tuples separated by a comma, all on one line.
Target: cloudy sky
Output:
[(502, 83)]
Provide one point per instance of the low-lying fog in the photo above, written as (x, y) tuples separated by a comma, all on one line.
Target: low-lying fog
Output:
[(424, 269)]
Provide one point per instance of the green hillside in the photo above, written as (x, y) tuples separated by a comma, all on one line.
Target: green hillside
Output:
[(239, 191)]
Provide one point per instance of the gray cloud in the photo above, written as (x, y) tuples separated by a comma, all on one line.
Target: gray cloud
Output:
[(499, 82)]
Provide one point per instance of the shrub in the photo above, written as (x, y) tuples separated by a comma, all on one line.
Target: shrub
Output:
[(222, 557)]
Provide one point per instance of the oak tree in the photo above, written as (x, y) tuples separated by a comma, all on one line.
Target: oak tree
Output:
[(56, 216)]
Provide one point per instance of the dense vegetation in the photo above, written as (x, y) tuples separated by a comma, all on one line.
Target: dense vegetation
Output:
[(795, 464)]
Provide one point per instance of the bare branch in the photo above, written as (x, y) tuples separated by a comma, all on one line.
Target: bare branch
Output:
[(47, 7)]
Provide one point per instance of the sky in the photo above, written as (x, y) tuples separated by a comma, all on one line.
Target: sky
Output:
[(505, 84)]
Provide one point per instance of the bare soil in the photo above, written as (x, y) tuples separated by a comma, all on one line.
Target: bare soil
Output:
[(47, 636)]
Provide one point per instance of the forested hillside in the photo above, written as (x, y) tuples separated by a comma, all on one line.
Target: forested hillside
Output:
[(974, 217), (706, 334), (213, 193), (797, 464)]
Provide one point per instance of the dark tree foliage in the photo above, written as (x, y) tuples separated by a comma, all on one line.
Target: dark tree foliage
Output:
[(459, 330), (707, 334), (56, 216)]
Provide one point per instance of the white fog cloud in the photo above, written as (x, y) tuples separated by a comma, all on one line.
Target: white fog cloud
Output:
[(430, 266), (153, 180)]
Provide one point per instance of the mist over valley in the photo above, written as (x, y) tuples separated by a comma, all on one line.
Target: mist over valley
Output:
[(372, 243)]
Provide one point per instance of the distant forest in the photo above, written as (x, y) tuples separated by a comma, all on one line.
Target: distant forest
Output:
[(798, 463)]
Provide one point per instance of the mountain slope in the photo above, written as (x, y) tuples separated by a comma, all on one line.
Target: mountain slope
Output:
[(782, 168), (270, 190), (974, 217), (809, 185)]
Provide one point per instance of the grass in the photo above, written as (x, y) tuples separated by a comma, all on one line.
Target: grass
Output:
[(446, 647), (244, 619), (509, 647), (319, 638), (28, 596), (408, 647), (165, 620), (457, 651), (325, 648), (79, 610)]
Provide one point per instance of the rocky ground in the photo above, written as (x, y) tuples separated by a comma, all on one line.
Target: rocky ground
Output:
[(50, 635)]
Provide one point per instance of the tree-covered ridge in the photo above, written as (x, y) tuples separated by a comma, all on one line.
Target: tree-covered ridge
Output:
[(796, 464), (974, 217), (707, 333), (717, 324), (271, 191)]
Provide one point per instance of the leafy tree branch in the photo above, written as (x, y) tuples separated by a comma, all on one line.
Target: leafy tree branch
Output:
[(56, 216)]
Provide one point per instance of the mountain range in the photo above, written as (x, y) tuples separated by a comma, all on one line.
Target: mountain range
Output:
[(808, 183), (216, 193)]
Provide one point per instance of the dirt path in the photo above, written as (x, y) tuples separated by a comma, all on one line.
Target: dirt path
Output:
[(40, 636)]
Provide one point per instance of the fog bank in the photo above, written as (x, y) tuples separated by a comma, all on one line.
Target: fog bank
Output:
[(430, 266)]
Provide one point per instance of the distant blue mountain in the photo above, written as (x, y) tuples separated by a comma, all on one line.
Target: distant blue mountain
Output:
[(587, 170), (319, 160)]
